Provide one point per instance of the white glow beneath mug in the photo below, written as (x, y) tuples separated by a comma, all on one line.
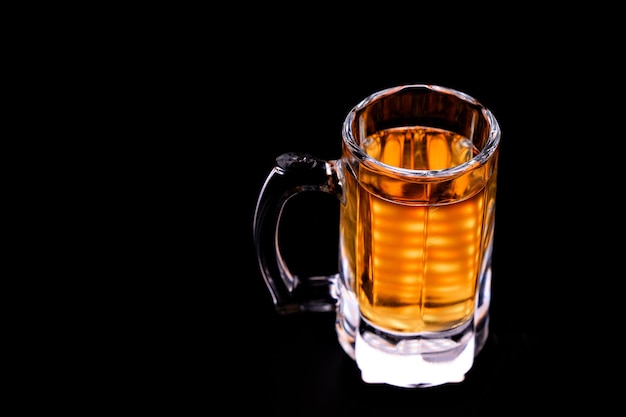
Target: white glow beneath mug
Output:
[(409, 371)]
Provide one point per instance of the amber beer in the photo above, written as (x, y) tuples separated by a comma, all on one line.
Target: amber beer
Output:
[(414, 248)]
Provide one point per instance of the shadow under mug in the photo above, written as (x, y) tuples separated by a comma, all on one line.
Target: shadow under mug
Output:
[(416, 186)]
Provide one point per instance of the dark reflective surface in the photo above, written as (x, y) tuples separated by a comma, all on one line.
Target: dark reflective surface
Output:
[(307, 371)]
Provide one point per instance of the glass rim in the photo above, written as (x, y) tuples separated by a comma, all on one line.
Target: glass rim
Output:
[(482, 157)]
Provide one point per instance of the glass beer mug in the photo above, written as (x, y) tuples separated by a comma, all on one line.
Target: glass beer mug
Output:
[(416, 187)]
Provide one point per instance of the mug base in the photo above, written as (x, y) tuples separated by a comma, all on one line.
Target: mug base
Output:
[(416, 361)]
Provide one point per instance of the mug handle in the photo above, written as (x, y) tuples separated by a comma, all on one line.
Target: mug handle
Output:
[(293, 173)]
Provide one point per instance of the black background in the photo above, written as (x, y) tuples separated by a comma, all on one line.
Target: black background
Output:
[(150, 130)]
